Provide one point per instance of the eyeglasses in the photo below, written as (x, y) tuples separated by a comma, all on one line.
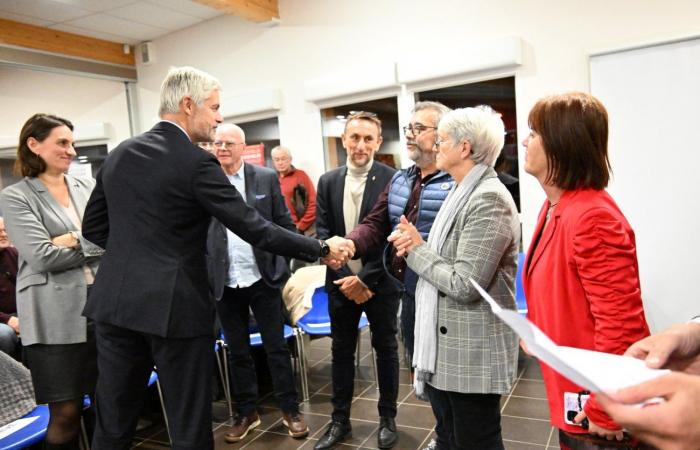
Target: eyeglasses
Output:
[(228, 144), (439, 142), (417, 129)]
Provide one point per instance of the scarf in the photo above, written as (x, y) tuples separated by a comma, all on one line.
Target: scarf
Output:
[(425, 340)]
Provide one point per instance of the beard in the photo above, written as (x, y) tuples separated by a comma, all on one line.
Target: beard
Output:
[(421, 157)]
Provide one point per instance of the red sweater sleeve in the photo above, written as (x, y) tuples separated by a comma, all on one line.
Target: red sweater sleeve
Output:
[(606, 260), (309, 216)]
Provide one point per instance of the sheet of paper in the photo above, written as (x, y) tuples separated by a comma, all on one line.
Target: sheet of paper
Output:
[(589, 369), (16, 425)]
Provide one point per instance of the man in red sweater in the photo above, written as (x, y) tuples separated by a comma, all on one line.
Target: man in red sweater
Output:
[(297, 189)]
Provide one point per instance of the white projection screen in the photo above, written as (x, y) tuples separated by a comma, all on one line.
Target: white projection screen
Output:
[(653, 99)]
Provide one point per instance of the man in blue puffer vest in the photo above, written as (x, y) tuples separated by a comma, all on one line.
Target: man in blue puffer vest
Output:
[(416, 192)]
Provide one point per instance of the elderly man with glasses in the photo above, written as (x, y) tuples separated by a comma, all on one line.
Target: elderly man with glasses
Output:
[(243, 277)]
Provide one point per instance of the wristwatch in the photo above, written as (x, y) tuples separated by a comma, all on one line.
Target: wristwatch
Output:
[(325, 249)]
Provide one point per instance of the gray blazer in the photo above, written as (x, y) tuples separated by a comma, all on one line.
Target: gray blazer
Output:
[(51, 288), (477, 353)]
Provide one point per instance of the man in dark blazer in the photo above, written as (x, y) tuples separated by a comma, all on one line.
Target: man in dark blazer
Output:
[(150, 210), (344, 196), (244, 278)]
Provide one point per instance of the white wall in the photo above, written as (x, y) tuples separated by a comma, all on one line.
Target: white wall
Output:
[(319, 37), (83, 101)]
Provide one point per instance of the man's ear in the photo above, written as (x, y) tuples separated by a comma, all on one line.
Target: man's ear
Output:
[(187, 105)]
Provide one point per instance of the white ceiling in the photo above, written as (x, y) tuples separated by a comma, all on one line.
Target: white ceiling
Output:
[(123, 21)]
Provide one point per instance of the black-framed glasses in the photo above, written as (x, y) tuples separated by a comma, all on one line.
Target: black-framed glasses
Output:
[(417, 129), (228, 144)]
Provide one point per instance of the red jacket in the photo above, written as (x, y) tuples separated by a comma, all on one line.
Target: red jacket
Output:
[(582, 287)]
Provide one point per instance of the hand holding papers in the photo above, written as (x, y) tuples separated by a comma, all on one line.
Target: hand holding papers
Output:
[(594, 371)]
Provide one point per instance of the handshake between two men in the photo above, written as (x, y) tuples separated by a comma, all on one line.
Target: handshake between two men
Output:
[(404, 238), (343, 250)]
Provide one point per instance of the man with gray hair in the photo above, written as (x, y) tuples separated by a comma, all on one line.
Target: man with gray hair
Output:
[(154, 198), (416, 192)]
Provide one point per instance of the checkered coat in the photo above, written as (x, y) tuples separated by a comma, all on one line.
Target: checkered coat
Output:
[(477, 353)]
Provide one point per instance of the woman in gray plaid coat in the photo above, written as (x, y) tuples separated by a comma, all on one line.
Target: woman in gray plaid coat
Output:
[(465, 358)]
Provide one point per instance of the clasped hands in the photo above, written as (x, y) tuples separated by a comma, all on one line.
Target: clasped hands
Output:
[(405, 237), (342, 250)]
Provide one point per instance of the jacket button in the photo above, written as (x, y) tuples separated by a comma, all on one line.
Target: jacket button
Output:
[(443, 330), (442, 294)]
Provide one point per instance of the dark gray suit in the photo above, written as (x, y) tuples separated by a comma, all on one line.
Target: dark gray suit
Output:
[(262, 191), (150, 210)]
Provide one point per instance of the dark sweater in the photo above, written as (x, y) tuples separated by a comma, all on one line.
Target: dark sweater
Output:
[(8, 280)]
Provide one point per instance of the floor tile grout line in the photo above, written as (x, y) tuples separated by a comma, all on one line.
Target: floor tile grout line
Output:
[(521, 417), (551, 433), (524, 442)]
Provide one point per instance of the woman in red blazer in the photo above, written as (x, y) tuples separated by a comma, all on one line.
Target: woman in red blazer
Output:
[(581, 277)]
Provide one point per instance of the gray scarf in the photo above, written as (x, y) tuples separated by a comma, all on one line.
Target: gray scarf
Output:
[(425, 341)]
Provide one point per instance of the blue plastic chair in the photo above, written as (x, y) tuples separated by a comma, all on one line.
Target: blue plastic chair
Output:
[(30, 434), (317, 322), (520, 302)]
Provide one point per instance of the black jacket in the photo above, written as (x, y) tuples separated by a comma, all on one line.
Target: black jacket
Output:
[(155, 196), (330, 222), (262, 191)]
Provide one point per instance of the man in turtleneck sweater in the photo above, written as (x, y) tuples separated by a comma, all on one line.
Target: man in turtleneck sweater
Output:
[(344, 196)]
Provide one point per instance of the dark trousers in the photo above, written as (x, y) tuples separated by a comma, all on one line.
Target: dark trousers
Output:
[(266, 303), (466, 421), (345, 316), (408, 322), (125, 359)]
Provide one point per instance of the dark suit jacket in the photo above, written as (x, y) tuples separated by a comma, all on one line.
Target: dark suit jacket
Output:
[(330, 222), (150, 210), (262, 191)]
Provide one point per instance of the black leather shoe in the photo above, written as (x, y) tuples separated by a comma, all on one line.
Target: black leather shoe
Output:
[(387, 436), (336, 432)]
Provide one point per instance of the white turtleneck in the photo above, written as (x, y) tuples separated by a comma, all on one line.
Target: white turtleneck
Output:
[(355, 182)]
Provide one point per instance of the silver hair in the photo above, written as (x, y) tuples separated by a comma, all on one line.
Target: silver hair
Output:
[(481, 126), (231, 127), (282, 148), (438, 107), (185, 82)]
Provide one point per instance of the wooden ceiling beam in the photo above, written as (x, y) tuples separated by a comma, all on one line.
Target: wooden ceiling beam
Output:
[(68, 44), (253, 10)]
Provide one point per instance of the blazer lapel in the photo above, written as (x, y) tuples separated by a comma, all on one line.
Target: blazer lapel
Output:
[(250, 187), (370, 187), (50, 203), (548, 232), (338, 194)]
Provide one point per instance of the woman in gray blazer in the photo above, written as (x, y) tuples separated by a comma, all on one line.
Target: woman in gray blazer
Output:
[(43, 214), (464, 357)]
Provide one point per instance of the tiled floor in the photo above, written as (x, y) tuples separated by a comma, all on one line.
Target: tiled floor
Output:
[(524, 413)]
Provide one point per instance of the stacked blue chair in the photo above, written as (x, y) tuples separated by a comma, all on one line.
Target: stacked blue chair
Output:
[(30, 434), (317, 322), (520, 302)]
